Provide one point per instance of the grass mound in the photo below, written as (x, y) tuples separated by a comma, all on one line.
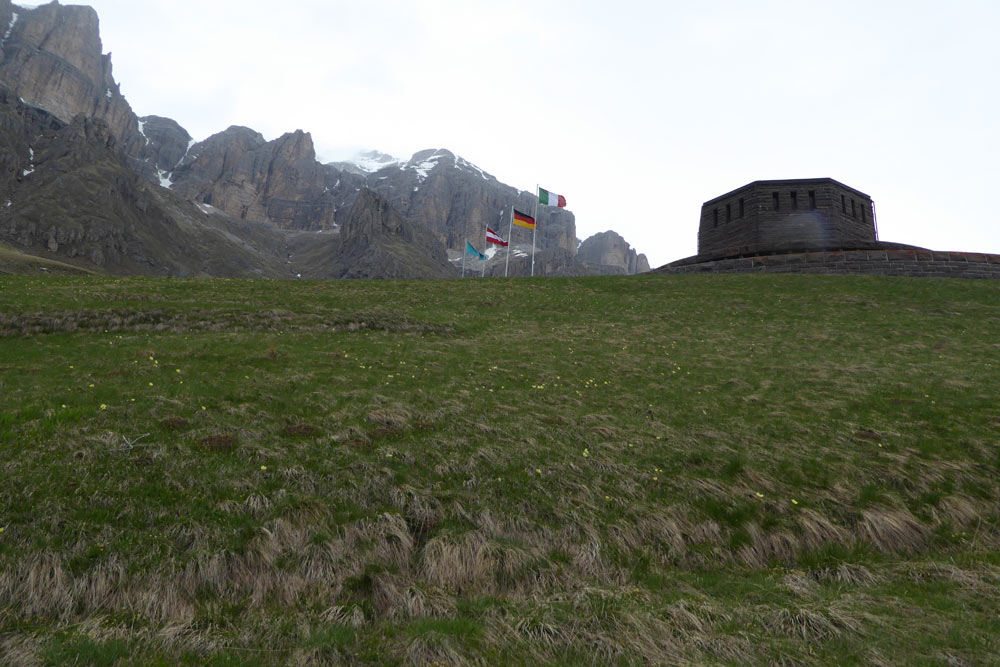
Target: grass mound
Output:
[(653, 469)]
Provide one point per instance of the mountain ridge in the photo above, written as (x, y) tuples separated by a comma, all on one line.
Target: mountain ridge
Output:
[(51, 59)]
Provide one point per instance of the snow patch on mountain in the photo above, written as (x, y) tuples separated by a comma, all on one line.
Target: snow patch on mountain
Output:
[(10, 29), (31, 163), (368, 162), (190, 146), (142, 130), (464, 165), (424, 162)]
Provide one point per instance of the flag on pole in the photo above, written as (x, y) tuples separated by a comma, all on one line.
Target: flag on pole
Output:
[(546, 198), (471, 250), (493, 237), (523, 220)]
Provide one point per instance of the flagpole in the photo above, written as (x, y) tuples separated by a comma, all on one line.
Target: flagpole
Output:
[(486, 244), (533, 230), (510, 241), (465, 252)]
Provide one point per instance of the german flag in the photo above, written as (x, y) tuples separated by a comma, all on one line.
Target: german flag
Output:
[(523, 220)]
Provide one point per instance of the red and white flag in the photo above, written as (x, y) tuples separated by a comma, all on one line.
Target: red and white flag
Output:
[(493, 237)]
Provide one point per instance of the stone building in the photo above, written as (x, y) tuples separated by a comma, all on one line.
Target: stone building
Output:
[(812, 225), (767, 217)]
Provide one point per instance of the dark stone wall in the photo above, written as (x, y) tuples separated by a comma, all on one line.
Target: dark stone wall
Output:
[(914, 263), (785, 215)]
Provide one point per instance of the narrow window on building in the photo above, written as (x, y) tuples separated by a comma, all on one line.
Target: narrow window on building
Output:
[(864, 218), (741, 207), (843, 204), (715, 216), (729, 213), (812, 200), (777, 200), (795, 200), (854, 212)]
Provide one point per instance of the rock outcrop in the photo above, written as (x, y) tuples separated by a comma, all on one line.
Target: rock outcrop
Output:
[(69, 195), (277, 182), (166, 143), (457, 199), (52, 58), (375, 241), (611, 250)]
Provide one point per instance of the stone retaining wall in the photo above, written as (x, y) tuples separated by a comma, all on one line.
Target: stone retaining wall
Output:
[(914, 263)]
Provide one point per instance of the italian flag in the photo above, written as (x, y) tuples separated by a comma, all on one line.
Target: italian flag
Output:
[(546, 198)]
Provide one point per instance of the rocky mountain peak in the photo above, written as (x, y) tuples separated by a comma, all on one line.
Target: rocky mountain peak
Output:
[(166, 141), (51, 57), (610, 249), (296, 146)]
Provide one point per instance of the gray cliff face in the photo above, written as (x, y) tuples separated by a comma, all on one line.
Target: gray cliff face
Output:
[(278, 182), (375, 241), (166, 142), (379, 241), (52, 58), (456, 200), (70, 195), (611, 250)]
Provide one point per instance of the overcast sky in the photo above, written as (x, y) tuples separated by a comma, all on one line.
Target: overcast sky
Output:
[(636, 111)]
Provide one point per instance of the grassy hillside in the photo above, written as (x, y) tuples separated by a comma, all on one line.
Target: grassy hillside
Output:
[(722, 469), (15, 261)]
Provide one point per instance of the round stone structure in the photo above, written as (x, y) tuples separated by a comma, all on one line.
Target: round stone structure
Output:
[(786, 216)]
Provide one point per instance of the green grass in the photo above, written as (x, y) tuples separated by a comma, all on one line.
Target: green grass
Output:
[(653, 469)]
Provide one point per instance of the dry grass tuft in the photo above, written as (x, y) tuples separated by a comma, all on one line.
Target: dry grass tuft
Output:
[(219, 442), (846, 573), (38, 587), (161, 601), (299, 430), (810, 624), (868, 435), (605, 432), (817, 531), (800, 584), (958, 510), (19, 649), (392, 418), (895, 531), (339, 615), (470, 561), (767, 547), (431, 651), (174, 423)]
